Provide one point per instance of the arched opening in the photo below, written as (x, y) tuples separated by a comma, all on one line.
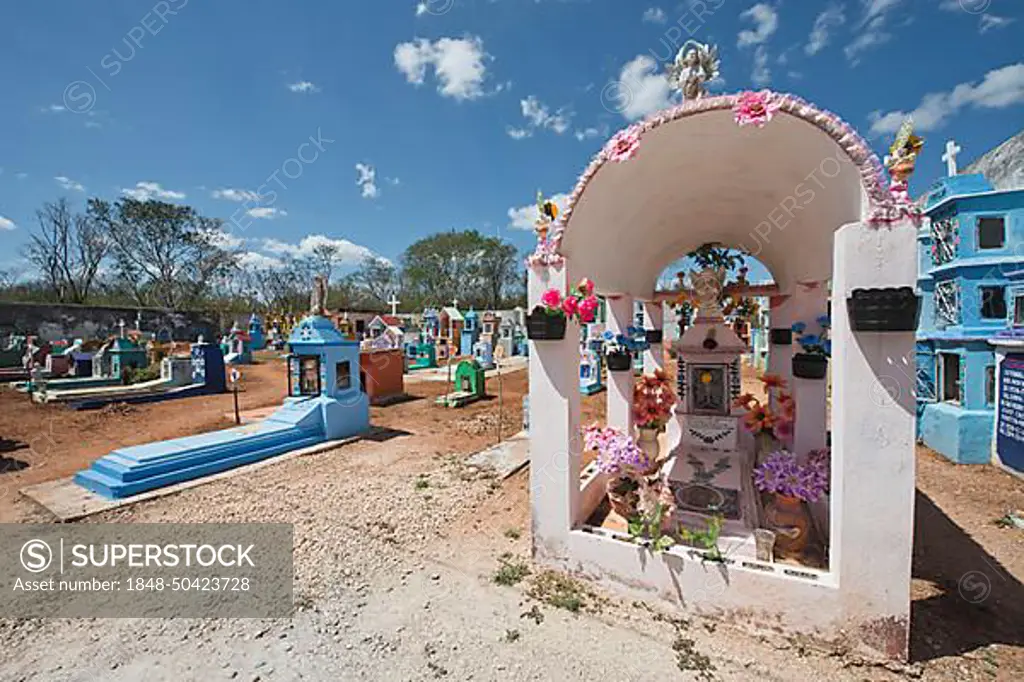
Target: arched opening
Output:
[(801, 195)]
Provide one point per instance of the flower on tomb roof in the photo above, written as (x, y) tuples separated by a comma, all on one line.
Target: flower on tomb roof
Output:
[(624, 145), (755, 108)]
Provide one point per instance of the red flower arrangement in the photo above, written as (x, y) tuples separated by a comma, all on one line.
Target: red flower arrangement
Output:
[(653, 400)]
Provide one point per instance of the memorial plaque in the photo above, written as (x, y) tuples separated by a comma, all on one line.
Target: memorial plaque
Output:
[(1010, 412)]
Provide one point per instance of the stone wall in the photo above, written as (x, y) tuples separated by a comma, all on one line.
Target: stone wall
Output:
[(64, 321)]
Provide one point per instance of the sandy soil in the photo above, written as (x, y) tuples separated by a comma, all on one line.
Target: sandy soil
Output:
[(392, 575)]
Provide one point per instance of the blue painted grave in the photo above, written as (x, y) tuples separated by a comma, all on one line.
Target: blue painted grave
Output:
[(325, 402)]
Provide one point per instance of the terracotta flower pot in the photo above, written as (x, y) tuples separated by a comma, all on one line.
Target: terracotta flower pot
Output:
[(623, 495), (788, 517), (647, 440)]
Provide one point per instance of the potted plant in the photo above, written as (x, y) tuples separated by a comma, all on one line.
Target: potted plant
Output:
[(547, 321), (654, 517), (619, 456), (652, 406), (812, 362), (884, 310), (771, 426), (790, 485)]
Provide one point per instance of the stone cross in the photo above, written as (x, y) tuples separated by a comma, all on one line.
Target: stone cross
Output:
[(950, 157), (455, 303), (121, 326), (394, 305)]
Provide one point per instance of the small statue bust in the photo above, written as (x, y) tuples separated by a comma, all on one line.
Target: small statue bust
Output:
[(318, 299)]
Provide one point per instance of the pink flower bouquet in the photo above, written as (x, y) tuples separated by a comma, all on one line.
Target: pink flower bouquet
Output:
[(581, 304)]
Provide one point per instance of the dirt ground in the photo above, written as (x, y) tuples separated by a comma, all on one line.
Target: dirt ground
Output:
[(967, 610)]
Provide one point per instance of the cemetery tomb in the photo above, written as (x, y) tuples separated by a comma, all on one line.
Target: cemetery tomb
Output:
[(675, 182), (325, 402)]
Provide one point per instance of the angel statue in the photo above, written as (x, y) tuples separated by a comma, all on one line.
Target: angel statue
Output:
[(318, 299), (695, 65), (903, 152), (548, 214)]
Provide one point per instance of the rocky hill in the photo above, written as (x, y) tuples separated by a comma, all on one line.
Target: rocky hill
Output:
[(1003, 165)]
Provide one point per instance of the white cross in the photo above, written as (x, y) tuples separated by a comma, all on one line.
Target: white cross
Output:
[(121, 325), (950, 157), (394, 305), (455, 303)]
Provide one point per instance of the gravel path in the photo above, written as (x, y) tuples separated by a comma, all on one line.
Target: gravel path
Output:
[(396, 543)]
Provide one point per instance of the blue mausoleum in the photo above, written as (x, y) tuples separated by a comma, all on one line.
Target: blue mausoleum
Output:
[(966, 254)]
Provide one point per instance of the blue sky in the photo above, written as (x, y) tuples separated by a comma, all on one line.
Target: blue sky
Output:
[(444, 114)]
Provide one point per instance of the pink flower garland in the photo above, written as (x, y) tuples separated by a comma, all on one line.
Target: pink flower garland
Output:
[(871, 171), (755, 108)]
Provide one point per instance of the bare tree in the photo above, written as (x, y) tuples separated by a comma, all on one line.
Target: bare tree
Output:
[(325, 255), (377, 279), (67, 250)]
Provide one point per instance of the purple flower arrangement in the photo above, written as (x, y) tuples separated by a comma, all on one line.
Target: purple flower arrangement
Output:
[(781, 474), (617, 453)]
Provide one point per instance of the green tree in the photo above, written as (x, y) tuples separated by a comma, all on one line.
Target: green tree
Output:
[(164, 254), (476, 269)]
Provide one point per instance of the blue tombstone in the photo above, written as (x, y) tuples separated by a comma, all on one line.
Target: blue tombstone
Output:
[(484, 354), (208, 366), (470, 332), (256, 337), (324, 365)]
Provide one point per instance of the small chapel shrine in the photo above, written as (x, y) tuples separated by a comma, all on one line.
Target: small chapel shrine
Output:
[(784, 499)]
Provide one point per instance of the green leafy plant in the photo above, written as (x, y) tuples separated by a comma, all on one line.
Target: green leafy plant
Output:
[(647, 529), (510, 571), (705, 539)]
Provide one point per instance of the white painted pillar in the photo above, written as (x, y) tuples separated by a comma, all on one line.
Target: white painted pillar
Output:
[(555, 444), (654, 318), (873, 378), (620, 384), (811, 395), (780, 357)]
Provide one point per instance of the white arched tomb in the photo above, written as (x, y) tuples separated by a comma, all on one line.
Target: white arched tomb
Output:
[(806, 196)]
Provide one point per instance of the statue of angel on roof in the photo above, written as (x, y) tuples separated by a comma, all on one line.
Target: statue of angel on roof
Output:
[(695, 65)]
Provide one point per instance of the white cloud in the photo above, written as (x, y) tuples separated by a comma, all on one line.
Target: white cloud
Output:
[(258, 261), (539, 117), (421, 9), (999, 88), (654, 15), (871, 27), (762, 74), (523, 217), (7, 223), (349, 253), (367, 180), (593, 131), (394, 181), (266, 212), (832, 17), (144, 191), (52, 109), (643, 89), (238, 195), (303, 87), (990, 21), (951, 6), (766, 21), (21, 175), (69, 184), (224, 240), (459, 65)]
